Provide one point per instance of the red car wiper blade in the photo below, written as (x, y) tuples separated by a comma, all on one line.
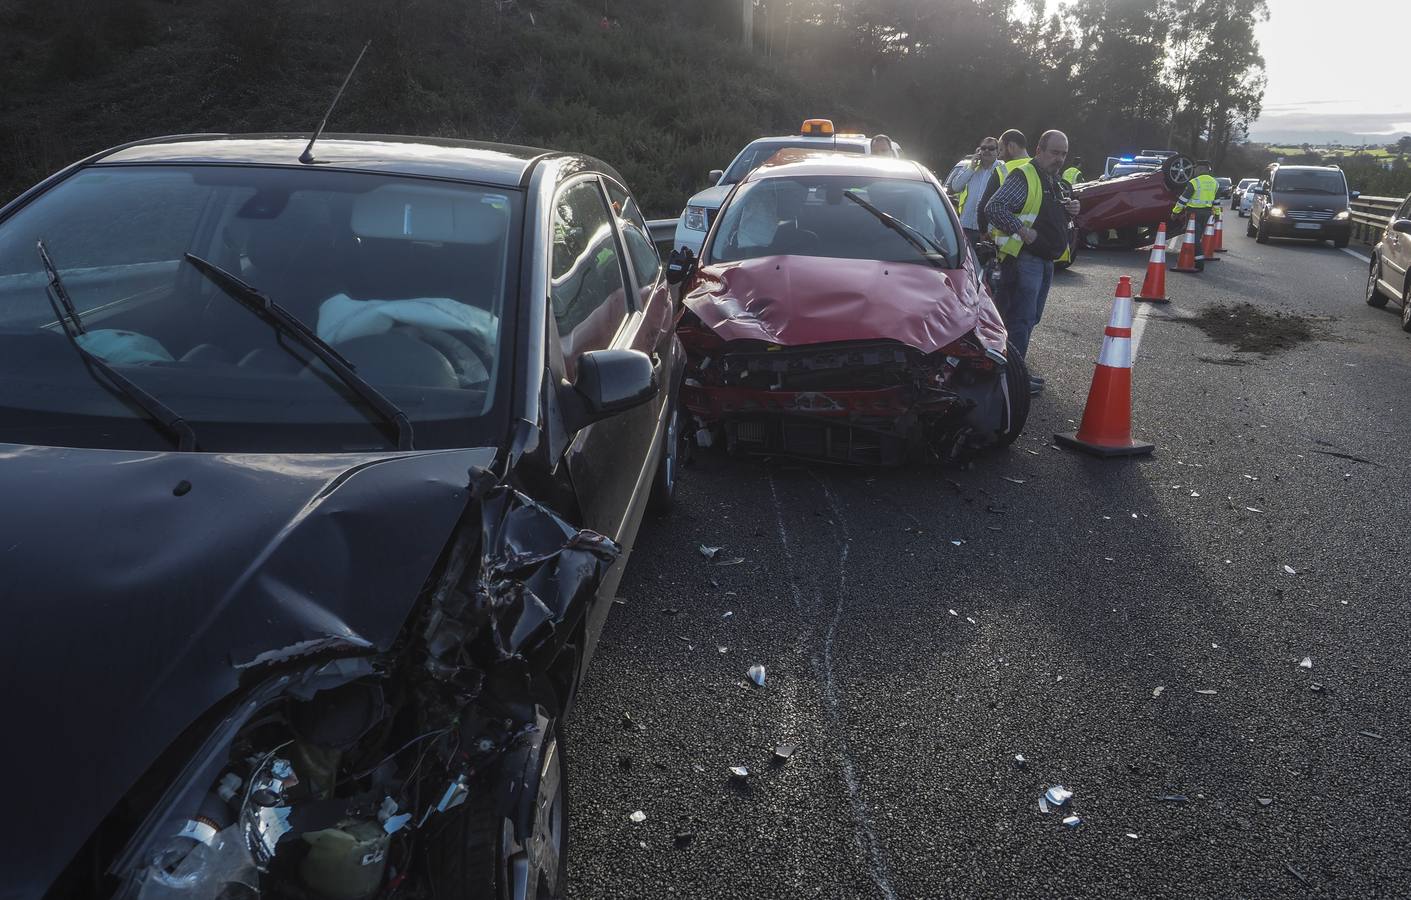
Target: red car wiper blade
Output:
[(289, 325), (73, 327), (914, 236)]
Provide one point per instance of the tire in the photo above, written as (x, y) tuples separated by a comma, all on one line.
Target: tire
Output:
[(1016, 376), (663, 496), (1249, 226), (1375, 297), (1406, 306), (1341, 242), (1177, 172), (477, 854), (1262, 235)]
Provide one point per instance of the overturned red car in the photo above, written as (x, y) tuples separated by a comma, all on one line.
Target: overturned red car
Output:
[(836, 313), (1124, 212)]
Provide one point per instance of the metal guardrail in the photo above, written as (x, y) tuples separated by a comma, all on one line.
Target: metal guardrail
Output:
[(1370, 216), (663, 232)]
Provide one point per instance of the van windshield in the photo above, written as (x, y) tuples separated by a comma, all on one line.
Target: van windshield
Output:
[(408, 279), (1310, 181)]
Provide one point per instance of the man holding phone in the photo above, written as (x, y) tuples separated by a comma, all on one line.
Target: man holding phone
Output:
[(969, 182)]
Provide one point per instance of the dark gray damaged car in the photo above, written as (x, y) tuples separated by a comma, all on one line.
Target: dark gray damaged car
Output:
[(318, 479)]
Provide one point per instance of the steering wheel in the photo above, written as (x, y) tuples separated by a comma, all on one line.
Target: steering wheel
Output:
[(468, 352)]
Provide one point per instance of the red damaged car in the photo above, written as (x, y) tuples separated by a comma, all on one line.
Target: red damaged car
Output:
[(1124, 211), (836, 313)]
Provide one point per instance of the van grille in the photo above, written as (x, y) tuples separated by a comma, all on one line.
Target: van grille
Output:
[(1311, 215)]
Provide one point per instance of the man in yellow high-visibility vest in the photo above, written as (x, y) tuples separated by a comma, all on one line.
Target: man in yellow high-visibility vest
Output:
[(1031, 215), (1074, 173), (1199, 198)]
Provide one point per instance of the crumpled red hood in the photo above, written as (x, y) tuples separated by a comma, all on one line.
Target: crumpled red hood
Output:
[(796, 300)]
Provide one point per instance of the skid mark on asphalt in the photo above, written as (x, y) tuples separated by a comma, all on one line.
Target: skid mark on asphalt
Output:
[(863, 834)]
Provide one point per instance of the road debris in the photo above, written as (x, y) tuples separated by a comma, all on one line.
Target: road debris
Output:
[(1012, 480), (783, 752), (1020, 761), (1206, 692), (1302, 879), (1072, 821), (1254, 509), (739, 772), (732, 561), (756, 675), (952, 612), (683, 839), (1043, 806), (638, 817), (1178, 799), (1290, 570), (971, 621), (723, 649), (1370, 734), (631, 724), (670, 611), (1316, 687), (727, 614), (1265, 801), (1307, 663), (957, 543), (710, 553), (1133, 835), (1156, 691), (1058, 795)]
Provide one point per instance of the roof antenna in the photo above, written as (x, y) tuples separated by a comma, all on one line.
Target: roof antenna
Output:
[(308, 155)]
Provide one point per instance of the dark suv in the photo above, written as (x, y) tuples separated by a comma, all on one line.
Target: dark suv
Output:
[(1302, 202)]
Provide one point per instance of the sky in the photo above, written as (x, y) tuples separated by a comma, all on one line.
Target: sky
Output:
[(1336, 67)]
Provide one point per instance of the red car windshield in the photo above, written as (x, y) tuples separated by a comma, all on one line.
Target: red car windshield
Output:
[(811, 216)]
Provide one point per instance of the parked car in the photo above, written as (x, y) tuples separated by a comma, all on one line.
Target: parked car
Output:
[(1302, 202), (1223, 187), (836, 313), (813, 134), (1390, 274), (321, 477), (1240, 198), (1125, 211)]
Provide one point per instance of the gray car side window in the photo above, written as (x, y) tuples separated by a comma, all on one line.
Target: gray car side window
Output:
[(1405, 211), (641, 252), (586, 284)]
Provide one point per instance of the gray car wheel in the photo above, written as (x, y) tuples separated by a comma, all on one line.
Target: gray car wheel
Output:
[(1375, 297)]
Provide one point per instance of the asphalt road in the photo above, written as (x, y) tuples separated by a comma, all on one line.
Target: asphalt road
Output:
[(1128, 626)]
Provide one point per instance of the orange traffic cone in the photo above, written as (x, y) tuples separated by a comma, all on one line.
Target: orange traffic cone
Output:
[(1186, 261), (1220, 232), (1107, 419), (1207, 242), (1154, 285)]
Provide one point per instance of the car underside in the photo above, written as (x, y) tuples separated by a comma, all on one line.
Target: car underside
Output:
[(872, 402)]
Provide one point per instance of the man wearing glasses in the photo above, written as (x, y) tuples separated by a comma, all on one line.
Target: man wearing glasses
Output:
[(968, 183)]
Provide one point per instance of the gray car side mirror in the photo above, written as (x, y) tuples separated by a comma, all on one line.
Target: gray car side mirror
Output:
[(609, 382), (715, 175), (1401, 226)]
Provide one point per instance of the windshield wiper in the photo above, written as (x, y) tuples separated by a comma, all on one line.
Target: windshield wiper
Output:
[(73, 327), (917, 238), (289, 325)]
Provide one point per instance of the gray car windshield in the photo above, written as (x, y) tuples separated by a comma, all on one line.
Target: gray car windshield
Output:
[(810, 216), (758, 153), (1313, 181), (408, 279)]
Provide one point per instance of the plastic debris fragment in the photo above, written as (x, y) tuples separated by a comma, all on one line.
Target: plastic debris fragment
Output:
[(957, 543), (723, 649), (756, 674), (1254, 509), (1156, 691), (1043, 806), (1370, 734), (1020, 761), (733, 561), (1013, 480), (784, 752), (739, 772), (638, 817), (1290, 570), (1058, 795), (1072, 821), (1302, 879), (1265, 801), (971, 621), (727, 614), (1307, 663), (710, 552), (1316, 687), (1133, 835), (1207, 693), (1179, 799), (953, 612)]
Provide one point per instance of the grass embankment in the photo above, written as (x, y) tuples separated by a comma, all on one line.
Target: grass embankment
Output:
[(659, 99)]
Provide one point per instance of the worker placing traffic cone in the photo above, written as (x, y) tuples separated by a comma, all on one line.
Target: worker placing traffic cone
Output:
[(1107, 419), (1154, 285), (1207, 243), (1185, 262), (1220, 232)]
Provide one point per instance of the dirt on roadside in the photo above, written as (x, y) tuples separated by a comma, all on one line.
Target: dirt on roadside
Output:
[(1250, 329)]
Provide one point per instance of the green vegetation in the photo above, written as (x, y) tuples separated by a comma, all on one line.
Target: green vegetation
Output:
[(665, 92)]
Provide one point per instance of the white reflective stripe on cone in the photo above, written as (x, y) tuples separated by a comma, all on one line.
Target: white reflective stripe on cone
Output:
[(1116, 353), (1121, 313)]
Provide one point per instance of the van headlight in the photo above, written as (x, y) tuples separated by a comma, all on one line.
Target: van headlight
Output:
[(1342, 215), (1276, 211), (695, 218)]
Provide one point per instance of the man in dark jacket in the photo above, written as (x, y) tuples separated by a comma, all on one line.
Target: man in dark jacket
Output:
[(1030, 215)]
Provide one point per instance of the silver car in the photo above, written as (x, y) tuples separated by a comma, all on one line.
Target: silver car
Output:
[(1390, 275)]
